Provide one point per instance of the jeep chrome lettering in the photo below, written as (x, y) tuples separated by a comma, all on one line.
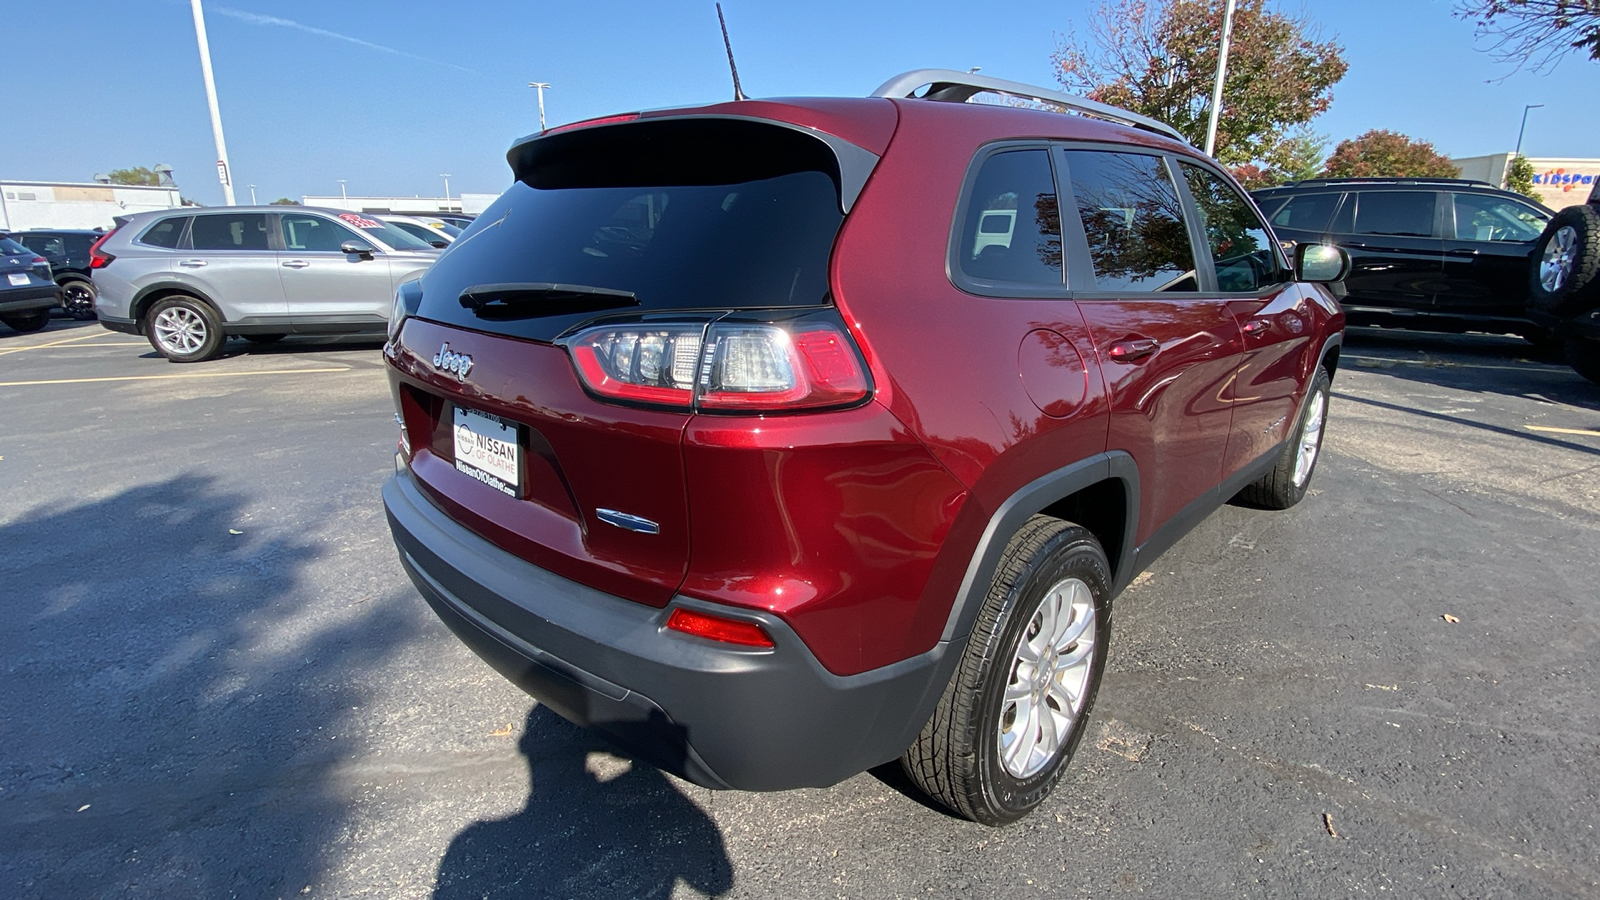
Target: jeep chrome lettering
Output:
[(447, 360)]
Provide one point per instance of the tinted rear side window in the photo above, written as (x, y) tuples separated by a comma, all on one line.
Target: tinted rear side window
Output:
[(240, 231), (1307, 212), (1012, 230), (685, 214), (165, 233), (1133, 222), (1403, 213)]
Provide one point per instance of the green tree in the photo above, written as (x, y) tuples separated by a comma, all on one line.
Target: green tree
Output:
[(1519, 178), (136, 175), (1535, 33), (1159, 58), (285, 201), (1388, 154)]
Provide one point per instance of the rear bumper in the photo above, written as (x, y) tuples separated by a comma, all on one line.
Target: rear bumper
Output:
[(114, 323), (30, 298), (716, 715)]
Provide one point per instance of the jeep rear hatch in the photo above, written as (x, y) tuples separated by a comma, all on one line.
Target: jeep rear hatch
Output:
[(545, 366)]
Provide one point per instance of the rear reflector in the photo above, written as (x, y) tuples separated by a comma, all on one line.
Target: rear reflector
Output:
[(716, 628)]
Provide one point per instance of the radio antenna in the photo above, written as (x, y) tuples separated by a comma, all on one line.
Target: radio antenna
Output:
[(738, 92)]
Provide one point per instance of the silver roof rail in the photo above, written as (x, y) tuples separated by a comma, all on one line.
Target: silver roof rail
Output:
[(959, 87)]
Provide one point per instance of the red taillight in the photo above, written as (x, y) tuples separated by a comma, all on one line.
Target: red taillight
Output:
[(37, 260), (716, 628), (727, 366), (98, 260)]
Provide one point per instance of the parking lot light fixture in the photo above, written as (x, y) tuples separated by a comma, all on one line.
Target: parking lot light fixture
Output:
[(223, 173), (540, 87), (1518, 151)]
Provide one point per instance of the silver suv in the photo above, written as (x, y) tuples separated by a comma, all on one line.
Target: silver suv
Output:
[(189, 279)]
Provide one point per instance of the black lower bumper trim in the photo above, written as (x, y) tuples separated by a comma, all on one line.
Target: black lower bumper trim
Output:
[(719, 716)]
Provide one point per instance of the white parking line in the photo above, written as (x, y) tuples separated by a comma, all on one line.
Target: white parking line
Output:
[(172, 377)]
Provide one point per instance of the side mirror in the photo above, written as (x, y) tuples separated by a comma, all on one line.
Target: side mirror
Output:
[(360, 248), (1320, 262)]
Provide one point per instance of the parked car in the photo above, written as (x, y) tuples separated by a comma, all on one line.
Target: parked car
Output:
[(433, 236), (27, 290), (742, 437), (67, 251), (1564, 284), (189, 279), (1426, 253), (459, 220)]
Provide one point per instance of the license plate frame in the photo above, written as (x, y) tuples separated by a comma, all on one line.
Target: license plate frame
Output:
[(18, 279), (488, 448)]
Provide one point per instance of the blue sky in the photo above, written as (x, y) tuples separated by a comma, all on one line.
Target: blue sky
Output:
[(388, 95)]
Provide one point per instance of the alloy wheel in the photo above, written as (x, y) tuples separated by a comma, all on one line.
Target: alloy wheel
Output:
[(180, 330), (1049, 680), (1310, 439), (1559, 257)]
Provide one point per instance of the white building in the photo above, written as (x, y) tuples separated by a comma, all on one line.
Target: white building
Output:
[(471, 204), (55, 204), (1558, 182)]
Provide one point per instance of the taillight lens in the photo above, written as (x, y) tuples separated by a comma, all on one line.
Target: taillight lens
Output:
[(724, 365), (98, 260), (717, 628)]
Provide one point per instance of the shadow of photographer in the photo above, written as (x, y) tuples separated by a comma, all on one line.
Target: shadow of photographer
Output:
[(594, 825)]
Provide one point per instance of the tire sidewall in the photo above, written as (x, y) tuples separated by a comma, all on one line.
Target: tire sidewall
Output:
[(28, 321), (1072, 553), (214, 337)]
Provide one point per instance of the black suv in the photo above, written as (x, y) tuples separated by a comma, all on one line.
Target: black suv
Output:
[(1437, 254), (1564, 284), (67, 250)]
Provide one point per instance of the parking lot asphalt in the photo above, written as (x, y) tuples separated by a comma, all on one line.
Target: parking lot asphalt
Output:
[(215, 679)]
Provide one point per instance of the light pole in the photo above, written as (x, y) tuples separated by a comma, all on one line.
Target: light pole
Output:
[(342, 195), (1222, 73), (446, 177), (211, 100), (540, 87), (252, 195), (1524, 126)]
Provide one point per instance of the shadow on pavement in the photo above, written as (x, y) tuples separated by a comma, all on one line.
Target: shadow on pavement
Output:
[(171, 698), (1480, 363), (593, 826)]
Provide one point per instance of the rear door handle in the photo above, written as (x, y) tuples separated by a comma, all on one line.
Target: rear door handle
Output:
[(1461, 255), (1133, 348), (1256, 326), (192, 263), (296, 264)]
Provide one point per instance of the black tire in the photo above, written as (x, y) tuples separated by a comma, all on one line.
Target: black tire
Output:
[(957, 759), (184, 329), (24, 322), (1584, 357), (77, 297), (1280, 488), (1564, 278), (264, 338)]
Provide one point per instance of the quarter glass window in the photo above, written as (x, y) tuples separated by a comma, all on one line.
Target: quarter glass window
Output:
[(165, 233), (1307, 212), (1240, 247), (1133, 222), (1404, 213), (1012, 231), (242, 231)]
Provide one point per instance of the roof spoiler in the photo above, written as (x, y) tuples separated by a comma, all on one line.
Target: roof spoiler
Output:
[(959, 87)]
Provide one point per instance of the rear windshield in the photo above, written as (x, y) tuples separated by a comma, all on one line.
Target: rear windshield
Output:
[(684, 214)]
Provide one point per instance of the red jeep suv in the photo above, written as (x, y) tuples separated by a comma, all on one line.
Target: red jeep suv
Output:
[(778, 439)]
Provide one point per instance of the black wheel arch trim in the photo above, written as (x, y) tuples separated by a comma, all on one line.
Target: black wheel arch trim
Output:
[(1033, 497), (142, 301)]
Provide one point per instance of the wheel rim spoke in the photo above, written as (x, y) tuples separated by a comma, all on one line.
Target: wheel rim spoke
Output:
[(1310, 439)]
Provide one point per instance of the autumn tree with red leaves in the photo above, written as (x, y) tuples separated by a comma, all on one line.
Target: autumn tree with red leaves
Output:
[(1388, 154), (1159, 58)]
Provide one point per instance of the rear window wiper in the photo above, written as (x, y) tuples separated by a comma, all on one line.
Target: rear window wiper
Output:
[(532, 300)]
